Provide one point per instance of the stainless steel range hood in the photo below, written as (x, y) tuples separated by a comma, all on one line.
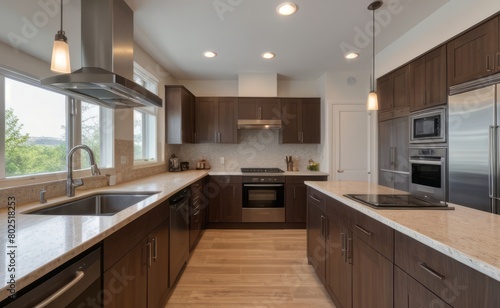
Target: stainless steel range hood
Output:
[(259, 124), (107, 59)]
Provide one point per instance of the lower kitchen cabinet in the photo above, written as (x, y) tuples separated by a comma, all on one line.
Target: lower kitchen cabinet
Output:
[(225, 193), (136, 263), (316, 232), (197, 212), (296, 197)]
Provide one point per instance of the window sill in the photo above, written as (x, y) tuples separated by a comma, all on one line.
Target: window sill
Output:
[(144, 164)]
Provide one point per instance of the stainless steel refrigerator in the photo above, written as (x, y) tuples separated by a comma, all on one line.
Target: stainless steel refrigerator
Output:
[(473, 119)]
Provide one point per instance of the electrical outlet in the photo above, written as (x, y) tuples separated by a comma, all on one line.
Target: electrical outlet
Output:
[(222, 160)]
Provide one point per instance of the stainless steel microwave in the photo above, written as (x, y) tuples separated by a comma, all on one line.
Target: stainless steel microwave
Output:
[(428, 126)]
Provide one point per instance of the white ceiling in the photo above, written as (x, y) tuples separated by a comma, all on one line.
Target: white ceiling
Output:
[(176, 32)]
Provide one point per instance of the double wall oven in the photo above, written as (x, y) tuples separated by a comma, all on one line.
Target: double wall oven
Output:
[(263, 195)]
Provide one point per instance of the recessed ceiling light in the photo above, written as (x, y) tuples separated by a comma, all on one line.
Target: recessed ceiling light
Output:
[(286, 8), (351, 55), (268, 55), (210, 54)]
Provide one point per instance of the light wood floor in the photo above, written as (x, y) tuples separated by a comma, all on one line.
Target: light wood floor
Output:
[(250, 268)]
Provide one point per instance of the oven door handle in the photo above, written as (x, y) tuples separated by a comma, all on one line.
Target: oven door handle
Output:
[(263, 185), (427, 162)]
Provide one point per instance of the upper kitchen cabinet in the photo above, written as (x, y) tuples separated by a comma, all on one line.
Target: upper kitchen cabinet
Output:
[(250, 108), (475, 53), (216, 120), (428, 80), (301, 119), (179, 115), (394, 93)]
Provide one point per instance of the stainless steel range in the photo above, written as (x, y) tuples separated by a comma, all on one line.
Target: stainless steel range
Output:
[(263, 195), (391, 202)]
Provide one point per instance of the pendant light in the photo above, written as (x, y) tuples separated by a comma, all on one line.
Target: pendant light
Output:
[(372, 102), (60, 52)]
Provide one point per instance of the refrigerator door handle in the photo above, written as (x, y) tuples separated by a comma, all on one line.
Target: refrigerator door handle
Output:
[(491, 172)]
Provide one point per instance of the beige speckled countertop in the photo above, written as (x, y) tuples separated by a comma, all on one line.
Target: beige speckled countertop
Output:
[(469, 236), (45, 242), (286, 173)]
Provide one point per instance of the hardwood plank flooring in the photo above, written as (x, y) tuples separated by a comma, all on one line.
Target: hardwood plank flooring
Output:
[(250, 268)]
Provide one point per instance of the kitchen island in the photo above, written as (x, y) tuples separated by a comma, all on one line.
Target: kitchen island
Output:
[(459, 237), (45, 242)]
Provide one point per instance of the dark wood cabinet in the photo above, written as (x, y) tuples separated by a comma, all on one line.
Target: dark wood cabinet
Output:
[(198, 207), (260, 108), (136, 262), (475, 53), (408, 293), (428, 80), (317, 232), (301, 118), (216, 120), (225, 199), (453, 282), (296, 197), (393, 90), (179, 115)]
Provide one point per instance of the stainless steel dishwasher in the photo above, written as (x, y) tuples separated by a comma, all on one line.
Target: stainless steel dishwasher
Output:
[(74, 284), (179, 232)]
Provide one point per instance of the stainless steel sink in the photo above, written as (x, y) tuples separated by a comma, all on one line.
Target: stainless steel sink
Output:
[(102, 204)]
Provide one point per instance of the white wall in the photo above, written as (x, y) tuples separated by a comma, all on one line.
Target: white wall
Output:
[(448, 21)]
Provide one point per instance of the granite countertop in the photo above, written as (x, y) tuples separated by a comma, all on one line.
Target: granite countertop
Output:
[(286, 173), (469, 236), (45, 242)]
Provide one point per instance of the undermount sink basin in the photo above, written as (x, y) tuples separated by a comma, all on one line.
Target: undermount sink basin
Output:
[(102, 204)]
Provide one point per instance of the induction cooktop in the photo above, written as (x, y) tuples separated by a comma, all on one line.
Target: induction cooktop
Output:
[(390, 201)]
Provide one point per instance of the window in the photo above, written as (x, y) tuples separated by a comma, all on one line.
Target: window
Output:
[(145, 120), (37, 126)]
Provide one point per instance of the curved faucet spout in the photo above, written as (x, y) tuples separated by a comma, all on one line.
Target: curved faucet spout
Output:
[(72, 184)]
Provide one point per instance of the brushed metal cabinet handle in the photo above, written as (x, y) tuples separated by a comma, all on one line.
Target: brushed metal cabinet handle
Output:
[(155, 248), (314, 198), (363, 230), (431, 271), (342, 242), (79, 276), (488, 69)]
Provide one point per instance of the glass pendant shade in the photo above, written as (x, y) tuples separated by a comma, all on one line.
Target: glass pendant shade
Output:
[(372, 102), (60, 57)]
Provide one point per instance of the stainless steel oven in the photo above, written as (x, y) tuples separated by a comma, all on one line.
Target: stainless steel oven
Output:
[(263, 199), (428, 126), (428, 172)]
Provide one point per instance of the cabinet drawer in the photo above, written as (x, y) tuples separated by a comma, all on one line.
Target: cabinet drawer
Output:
[(316, 198), (379, 236), (454, 282)]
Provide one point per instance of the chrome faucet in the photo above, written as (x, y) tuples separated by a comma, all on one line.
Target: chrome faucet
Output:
[(72, 184)]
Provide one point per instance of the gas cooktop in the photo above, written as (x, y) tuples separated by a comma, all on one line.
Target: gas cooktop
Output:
[(390, 201), (261, 170)]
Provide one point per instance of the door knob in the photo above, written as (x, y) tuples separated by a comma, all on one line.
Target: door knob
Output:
[(340, 171)]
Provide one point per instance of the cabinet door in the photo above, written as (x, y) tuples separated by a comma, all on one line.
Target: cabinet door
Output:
[(187, 116), (269, 108), (295, 202), (338, 268), (418, 85), (401, 140), (248, 108), (158, 270), (408, 293), (400, 87), (206, 118), (311, 120), (372, 277), (384, 92), (471, 55), (228, 122), (385, 147), (435, 77), (290, 117), (126, 282), (316, 242), (231, 203)]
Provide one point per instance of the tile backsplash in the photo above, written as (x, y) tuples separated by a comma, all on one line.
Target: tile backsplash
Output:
[(255, 148)]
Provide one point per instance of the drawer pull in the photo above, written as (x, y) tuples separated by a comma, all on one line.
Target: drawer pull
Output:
[(363, 230), (431, 271), (314, 198)]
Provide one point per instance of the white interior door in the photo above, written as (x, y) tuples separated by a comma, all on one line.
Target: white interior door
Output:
[(352, 134)]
